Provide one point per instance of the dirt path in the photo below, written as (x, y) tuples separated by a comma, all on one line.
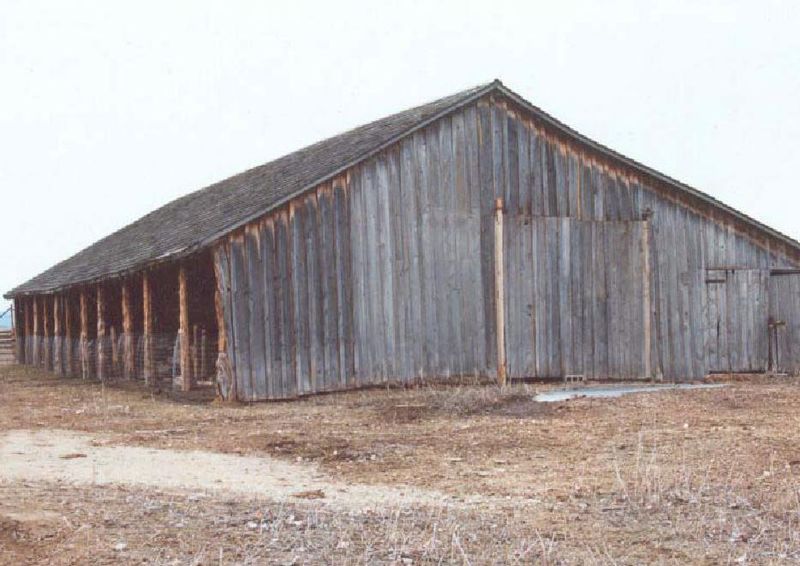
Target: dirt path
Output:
[(78, 458)]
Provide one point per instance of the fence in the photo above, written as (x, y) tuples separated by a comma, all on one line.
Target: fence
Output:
[(123, 356)]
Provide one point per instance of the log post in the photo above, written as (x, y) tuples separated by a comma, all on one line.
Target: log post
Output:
[(47, 333), (222, 342), (58, 361), (16, 324), (37, 333), (147, 331), (204, 354), (224, 375), (186, 355), (69, 362), (499, 289), (86, 367), (114, 347), (128, 359), (102, 342), (28, 331), (195, 351)]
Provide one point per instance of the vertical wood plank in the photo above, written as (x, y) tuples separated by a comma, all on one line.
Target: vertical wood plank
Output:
[(84, 339), (58, 337), (128, 353), (102, 338), (185, 383), (47, 353), (148, 361), (271, 320), (69, 347), (240, 317), (255, 307), (499, 292)]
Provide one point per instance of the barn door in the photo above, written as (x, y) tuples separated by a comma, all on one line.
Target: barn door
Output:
[(576, 295), (736, 320), (784, 321)]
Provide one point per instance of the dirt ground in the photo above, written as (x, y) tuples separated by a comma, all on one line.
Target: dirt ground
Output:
[(462, 473)]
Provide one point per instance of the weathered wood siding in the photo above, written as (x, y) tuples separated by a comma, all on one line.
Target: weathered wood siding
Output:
[(542, 174), (375, 276), (575, 298), (784, 307), (386, 272), (737, 311)]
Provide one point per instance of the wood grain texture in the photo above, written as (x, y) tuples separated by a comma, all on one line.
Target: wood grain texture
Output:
[(387, 273)]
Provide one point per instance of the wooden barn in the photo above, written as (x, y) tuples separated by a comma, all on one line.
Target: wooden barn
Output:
[(474, 235)]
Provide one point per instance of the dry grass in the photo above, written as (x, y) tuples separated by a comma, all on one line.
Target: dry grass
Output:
[(705, 476)]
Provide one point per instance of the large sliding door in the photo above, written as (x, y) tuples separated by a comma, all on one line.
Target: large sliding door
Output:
[(577, 296)]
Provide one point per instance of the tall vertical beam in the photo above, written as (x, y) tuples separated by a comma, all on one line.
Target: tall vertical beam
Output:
[(127, 332), (113, 367), (186, 355), (148, 367), (37, 333), (203, 354), (47, 350), (16, 322), (222, 342), (69, 361), (86, 363), (195, 351), (225, 383), (28, 314), (646, 302), (499, 290), (58, 339), (102, 339)]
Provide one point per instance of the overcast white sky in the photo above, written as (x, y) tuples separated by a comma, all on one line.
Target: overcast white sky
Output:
[(110, 109)]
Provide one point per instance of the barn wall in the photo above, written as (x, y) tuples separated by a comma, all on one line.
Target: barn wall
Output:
[(540, 173), (577, 298), (386, 272), (375, 276)]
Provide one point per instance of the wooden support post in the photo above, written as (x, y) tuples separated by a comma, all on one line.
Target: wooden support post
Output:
[(47, 340), (58, 338), (37, 333), (204, 354), (186, 355), (16, 323), (148, 367), (499, 286), (69, 361), (86, 363), (224, 375), (102, 338), (128, 357), (648, 371), (222, 343), (28, 331), (195, 351), (114, 347)]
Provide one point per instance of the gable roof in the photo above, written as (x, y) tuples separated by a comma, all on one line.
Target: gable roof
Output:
[(191, 222)]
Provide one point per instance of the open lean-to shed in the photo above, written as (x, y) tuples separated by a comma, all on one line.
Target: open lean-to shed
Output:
[(474, 235)]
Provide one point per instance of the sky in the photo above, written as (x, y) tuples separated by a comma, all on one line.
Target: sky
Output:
[(111, 109)]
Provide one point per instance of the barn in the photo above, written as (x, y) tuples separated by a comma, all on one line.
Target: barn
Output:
[(473, 235)]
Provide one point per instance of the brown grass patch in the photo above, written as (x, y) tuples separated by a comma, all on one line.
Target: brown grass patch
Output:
[(704, 476)]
